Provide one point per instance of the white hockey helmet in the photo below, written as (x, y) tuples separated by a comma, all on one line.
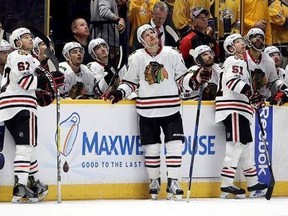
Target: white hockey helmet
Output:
[(141, 30), (96, 42), (36, 43), (16, 35), (271, 49), (68, 47), (196, 53), (5, 46), (253, 32), (229, 42)]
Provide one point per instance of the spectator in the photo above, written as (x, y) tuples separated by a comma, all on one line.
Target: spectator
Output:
[(107, 10), (159, 15), (158, 105), (198, 36), (81, 34), (275, 54), (256, 15), (182, 19), (229, 22), (79, 81), (139, 13), (235, 108), (278, 12)]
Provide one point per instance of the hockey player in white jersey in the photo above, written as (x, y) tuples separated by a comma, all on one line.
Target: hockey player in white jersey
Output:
[(158, 73), (204, 58), (104, 73), (5, 49), (234, 107), (275, 54), (79, 81), (18, 110), (263, 69)]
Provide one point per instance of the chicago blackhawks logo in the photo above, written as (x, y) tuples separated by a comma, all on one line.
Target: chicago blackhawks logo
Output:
[(155, 73)]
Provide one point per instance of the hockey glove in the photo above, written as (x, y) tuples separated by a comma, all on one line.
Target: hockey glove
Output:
[(280, 98), (209, 92), (257, 101), (111, 74), (200, 77), (44, 98), (114, 96), (58, 79)]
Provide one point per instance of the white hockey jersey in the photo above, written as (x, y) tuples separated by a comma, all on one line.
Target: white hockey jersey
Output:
[(157, 79), (267, 65), (283, 75), (215, 76), (99, 73), (19, 83), (235, 76), (85, 76)]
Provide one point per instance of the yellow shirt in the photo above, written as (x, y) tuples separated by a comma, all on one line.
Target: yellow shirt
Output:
[(254, 11), (139, 13), (278, 13), (181, 13)]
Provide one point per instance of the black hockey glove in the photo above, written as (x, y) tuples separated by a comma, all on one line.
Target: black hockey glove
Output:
[(111, 73), (44, 98), (280, 98), (58, 79), (257, 100), (114, 96), (209, 92), (200, 77)]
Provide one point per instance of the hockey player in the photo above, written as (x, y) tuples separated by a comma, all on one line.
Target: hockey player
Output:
[(275, 54), (234, 107), (204, 58), (158, 72), (79, 81), (104, 73), (18, 110), (5, 49), (263, 68)]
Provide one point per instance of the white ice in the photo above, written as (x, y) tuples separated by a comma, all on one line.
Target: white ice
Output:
[(195, 207)]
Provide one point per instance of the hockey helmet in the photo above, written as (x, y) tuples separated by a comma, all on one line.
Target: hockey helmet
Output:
[(229, 42), (196, 53), (68, 47), (16, 35), (271, 49), (141, 30), (96, 42), (253, 32), (5, 46)]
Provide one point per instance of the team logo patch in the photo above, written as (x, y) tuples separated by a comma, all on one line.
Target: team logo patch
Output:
[(155, 73)]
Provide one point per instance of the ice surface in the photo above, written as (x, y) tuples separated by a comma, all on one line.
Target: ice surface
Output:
[(195, 207)]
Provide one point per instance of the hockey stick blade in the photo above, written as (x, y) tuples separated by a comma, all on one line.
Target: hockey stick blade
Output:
[(172, 33), (1, 35), (50, 55), (270, 189)]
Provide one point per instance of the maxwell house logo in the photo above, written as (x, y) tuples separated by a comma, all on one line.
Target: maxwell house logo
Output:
[(266, 116)]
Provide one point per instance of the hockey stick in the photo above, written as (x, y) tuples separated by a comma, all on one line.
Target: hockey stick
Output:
[(173, 34), (194, 141), (271, 185), (1, 35), (53, 64)]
